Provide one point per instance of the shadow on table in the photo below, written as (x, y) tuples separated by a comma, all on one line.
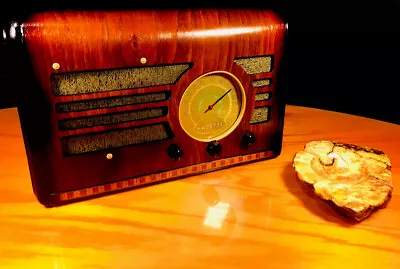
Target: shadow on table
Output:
[(310, 201)]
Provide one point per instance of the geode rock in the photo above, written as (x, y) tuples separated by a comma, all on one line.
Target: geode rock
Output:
[(354, 180)]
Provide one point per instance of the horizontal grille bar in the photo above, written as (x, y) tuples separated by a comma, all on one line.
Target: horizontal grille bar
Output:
[(76, 106), (262, 82), (116, 79), (106, 119), (117, 138), (262, 96), (256, 64), (260, 115)]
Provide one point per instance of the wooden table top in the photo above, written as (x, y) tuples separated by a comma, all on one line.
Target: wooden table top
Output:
[(251, 216)]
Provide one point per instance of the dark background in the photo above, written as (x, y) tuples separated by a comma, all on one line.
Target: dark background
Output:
[(342, 56)]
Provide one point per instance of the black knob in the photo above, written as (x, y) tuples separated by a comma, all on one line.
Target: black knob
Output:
[(248, 139), (174, 152), (214, 148)]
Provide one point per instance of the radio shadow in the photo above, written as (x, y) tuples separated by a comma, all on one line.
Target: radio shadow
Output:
[(313, 203)]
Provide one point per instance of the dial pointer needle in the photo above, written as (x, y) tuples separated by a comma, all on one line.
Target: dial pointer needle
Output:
[(210, 107)]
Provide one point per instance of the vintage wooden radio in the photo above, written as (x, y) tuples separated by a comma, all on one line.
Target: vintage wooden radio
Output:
[(132, 98)]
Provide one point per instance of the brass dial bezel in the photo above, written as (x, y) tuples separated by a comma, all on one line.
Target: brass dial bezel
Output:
[(239, 90)]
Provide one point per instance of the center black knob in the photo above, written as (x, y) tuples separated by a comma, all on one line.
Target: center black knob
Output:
[(174, 152), (214, 148)]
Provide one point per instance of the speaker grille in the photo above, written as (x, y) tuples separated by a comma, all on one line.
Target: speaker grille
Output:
[(256, 64), (261, 82), (116, 79), (93, 142), (260, 115), (76, 106), (262, 96), (85, 122)]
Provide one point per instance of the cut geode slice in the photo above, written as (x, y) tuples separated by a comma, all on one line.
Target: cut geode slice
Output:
[(354, 180)]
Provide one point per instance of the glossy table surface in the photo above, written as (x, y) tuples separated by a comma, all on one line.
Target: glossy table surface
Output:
[(251, 216)]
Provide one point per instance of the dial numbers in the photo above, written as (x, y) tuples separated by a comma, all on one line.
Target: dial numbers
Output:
[(212, 106)]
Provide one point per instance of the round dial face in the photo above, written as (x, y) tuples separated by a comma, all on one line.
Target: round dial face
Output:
[(212, 106)]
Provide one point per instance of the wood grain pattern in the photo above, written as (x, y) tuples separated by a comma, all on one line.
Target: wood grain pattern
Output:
[(255, 215), (161, 177), (90, 41)]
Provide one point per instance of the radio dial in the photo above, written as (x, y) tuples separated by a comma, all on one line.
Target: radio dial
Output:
[(212, 106)]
